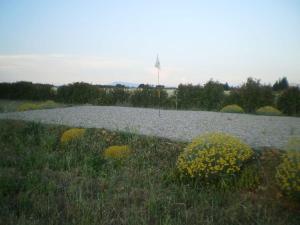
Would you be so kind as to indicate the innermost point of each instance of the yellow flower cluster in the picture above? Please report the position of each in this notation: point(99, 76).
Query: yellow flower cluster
point(268, 111)
point(117, 151)
point(232, 109)
point(288, 174)
point(72, 134)
point(213, 155)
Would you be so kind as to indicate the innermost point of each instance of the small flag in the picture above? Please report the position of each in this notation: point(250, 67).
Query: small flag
point(157, 64)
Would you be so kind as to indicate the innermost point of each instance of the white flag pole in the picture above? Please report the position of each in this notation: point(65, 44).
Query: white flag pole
point(158, 92)
point(157, 65)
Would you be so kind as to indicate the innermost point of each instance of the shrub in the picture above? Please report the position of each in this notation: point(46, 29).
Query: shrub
point(288, 174)
point(117, 151)
point(232, 109)
point(213, 156)
point(28, 106)
point(72, 134)
point(268, 111)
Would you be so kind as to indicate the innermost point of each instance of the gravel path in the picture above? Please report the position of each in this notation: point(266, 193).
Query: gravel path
point(258, 131)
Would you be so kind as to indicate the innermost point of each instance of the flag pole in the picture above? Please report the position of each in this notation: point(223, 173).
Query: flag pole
point(158, 92)
point(157, 65)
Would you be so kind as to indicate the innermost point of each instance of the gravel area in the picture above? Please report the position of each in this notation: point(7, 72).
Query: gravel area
point(258, 131)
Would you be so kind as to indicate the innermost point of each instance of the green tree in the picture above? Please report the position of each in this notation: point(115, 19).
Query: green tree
point(289, 101)
point(188, 96)
point(212, 95)
point(281, 84)
point(255, 95)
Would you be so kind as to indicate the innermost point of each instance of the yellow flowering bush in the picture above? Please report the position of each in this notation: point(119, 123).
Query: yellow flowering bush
point(268, 111)
point(213, 155)
point(72, 134)
point(288, 174)
point(232, 109)
point(117, 151)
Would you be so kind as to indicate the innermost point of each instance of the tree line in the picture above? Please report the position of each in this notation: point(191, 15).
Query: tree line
point(211, 96)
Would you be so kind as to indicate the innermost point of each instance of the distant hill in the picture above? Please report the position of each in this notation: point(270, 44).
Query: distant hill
point(133, 85)
point(127, 84)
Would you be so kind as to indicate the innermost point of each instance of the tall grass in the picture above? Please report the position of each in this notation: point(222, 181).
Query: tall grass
point(45, 182)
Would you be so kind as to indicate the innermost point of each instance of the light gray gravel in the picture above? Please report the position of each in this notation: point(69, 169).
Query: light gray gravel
point(258, 131)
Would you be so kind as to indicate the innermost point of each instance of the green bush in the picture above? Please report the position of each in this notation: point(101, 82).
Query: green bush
point(268, 111)
point(232, 109)
point(213, 156)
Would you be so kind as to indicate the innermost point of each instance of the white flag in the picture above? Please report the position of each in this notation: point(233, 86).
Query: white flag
point(157, 64)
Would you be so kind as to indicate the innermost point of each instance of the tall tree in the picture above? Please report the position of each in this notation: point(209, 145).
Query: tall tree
point(281, 84)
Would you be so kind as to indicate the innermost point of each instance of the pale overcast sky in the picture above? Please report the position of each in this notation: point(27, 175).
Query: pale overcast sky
point(56, 41)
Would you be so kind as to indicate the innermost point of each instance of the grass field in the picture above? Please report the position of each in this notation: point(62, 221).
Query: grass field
point(43, 181)
point(22, 105)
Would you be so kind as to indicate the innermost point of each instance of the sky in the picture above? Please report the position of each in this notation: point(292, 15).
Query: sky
point(99, 42)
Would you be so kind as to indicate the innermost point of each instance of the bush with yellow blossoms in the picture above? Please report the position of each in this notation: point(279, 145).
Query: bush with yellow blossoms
point(117, 152)
point(288, 172)
point(268, 111)
point(72, 134)
point(213, 156)
point(232, 109)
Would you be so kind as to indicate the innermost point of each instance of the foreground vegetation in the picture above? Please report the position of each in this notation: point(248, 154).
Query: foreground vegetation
point(50, 176)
